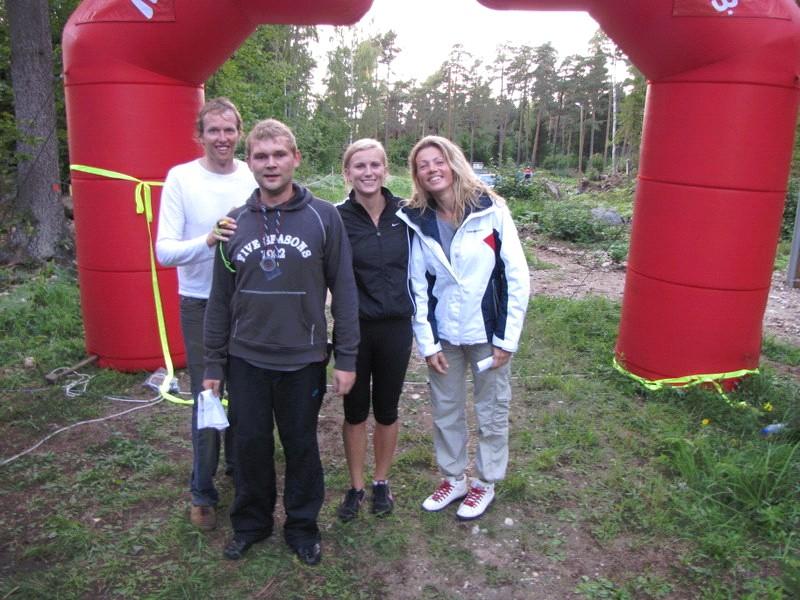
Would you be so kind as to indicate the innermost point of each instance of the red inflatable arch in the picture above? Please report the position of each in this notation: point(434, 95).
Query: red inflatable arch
point(133, 75)
point(719, 122)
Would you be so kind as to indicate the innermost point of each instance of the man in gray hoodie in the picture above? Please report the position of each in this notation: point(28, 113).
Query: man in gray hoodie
point(266, 333)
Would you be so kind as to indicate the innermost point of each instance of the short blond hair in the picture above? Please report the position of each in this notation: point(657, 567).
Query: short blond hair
point(218, 105)
point(358, 146)
point(269, 129)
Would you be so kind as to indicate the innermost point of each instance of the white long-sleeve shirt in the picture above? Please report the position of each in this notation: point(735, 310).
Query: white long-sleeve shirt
point(192, 201)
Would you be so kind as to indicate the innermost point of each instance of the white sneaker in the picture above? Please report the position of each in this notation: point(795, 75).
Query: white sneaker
point(478, 499)
point(450, 489)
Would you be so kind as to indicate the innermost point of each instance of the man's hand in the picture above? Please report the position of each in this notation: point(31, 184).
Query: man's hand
point(438, 363)
point(343, 381)
point(222, 231)
point(212, 384)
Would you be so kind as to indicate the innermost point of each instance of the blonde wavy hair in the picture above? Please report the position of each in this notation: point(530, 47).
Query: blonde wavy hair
point(467, 188)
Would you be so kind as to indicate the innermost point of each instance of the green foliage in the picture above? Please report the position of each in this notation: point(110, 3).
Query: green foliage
point(572, 221)
point(561, 164)
point(41, 317)
point(790, 209)
point(601, 588)
point(8, 128)
point(270, 75)
point(511, 186)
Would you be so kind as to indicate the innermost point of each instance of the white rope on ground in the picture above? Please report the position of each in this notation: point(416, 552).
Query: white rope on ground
point(6, 461)
point(76, 387)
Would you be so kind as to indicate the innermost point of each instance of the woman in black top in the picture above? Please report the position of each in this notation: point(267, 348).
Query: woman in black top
point(380, 243)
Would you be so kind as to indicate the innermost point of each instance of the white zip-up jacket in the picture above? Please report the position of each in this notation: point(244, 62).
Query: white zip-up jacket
point(481, 294)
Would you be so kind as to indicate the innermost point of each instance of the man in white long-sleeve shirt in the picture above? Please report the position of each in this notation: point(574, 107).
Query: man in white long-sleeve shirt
point(196, 197)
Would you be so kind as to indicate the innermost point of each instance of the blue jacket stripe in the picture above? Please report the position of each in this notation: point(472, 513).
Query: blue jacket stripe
point(432, 302)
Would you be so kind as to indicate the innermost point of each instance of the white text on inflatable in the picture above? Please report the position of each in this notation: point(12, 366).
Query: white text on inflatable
point(144, 8)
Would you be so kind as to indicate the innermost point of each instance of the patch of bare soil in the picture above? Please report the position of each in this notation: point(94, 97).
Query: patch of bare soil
point(579, 273)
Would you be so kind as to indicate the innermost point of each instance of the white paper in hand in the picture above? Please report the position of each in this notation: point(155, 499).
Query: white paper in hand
point(484, 364)
point(210, 412)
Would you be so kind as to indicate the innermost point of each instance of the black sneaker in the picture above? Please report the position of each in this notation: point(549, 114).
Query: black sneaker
point(348, 509)
point(382, 500)
point(310, 554)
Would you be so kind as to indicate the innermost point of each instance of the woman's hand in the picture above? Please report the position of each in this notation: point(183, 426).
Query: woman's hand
point(501, 357)
point(221, 232)
point(437, 362)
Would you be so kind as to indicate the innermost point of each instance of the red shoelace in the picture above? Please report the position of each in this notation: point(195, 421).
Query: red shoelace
point(443, 491)
point(474, 496)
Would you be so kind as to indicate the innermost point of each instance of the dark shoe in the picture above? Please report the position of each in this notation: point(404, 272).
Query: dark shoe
point(238, 546)
point(203, 517)
point(382, 499)
point(310, 555)
point(348, 509)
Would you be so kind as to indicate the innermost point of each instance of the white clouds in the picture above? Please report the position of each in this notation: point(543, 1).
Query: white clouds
point(427, 30)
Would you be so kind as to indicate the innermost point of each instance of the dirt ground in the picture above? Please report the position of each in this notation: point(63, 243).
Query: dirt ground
point(580, 273)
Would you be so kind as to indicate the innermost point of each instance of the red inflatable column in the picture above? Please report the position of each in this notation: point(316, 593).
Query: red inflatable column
point(112, 242)
point(719, 122)
point(707, 218)
point(133, 72)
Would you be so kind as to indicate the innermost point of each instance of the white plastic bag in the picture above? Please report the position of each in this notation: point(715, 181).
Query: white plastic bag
point(210, 412)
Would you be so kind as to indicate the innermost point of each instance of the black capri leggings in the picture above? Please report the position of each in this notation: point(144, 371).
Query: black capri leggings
point(382, 359)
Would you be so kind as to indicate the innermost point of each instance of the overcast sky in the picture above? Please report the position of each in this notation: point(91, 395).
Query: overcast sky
point(427, 29)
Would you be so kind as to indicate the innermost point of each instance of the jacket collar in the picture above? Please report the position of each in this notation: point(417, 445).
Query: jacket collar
point(425, 219)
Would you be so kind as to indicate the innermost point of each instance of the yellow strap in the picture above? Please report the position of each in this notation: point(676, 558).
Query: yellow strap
point(690, 380)
point(143, 198)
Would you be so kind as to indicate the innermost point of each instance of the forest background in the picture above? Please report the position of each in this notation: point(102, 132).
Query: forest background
point(528, 107)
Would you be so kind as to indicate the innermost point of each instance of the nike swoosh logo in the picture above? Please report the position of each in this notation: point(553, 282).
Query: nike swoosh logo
point(395, 224)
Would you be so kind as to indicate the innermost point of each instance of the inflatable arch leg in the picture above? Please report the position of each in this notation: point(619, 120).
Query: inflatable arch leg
point(719, 123)
point(133, 76)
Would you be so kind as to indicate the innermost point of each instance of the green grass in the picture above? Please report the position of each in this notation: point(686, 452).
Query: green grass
point(779, 351)
point(602, 473)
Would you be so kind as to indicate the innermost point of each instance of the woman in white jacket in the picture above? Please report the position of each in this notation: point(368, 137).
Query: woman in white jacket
point(471, 287)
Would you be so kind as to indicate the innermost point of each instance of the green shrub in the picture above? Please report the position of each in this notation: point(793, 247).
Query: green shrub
point(618, 251)
point(790, 209)
point(512, 188)
point(572, 221)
